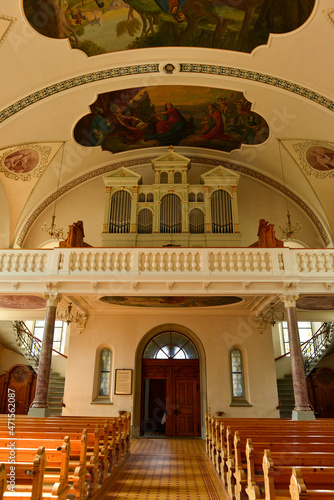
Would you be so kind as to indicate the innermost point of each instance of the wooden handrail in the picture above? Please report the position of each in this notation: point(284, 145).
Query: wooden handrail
point(317, 334)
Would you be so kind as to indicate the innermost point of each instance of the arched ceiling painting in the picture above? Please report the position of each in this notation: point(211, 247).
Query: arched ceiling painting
point(179, 115)
point(98, 27)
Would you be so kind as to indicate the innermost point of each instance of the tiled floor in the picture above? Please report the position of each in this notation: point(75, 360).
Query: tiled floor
point(165, 469)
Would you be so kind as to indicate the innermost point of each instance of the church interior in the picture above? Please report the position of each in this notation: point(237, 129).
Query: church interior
point(166, 238)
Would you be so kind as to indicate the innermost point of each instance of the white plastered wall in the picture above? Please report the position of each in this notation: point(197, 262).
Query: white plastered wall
point(218, 334)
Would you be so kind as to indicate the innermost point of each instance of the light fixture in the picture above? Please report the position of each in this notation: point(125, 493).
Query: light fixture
point(54, 232)
point(288, 232)
point(68, 317)
point(269, 317)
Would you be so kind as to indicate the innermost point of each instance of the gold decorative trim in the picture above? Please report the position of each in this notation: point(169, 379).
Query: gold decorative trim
point(9, 28)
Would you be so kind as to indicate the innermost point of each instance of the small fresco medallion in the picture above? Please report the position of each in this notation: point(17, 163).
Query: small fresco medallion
point(320, 158)
point(170, 301)
point(175, 115)
point(22, 302)
point(21, 161)
point(27, 161)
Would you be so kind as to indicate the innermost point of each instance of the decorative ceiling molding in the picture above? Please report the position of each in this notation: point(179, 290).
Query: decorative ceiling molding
point(5, 26)
point(154, 68)
point(241, 169)
point(211, 69)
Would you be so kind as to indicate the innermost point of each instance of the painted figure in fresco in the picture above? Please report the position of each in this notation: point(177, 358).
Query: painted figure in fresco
point(171, 128)
point(214, 125)
point(321, 158)
point(132, 129)
point(252, 128)
point(99, 127)
point(173, 7)
point(22, 161)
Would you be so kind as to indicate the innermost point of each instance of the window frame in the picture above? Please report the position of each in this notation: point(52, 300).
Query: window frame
point(238, 400)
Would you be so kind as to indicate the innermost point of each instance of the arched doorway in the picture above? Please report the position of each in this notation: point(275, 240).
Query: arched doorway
point(170, 393)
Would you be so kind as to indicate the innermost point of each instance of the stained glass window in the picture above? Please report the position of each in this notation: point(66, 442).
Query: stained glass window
point(105, 367)
point(170, 345)
point(237, 375)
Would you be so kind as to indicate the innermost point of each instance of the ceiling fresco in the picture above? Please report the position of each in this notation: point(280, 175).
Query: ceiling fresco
point(22, 302)
point(171, 115)
point(97, 27)
point(170, 301)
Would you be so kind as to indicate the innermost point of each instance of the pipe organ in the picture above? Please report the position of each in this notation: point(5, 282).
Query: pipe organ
point(171, 212)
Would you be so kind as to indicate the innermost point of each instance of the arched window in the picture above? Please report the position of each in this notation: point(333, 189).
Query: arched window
point(120, 212)
point(149, 197)
point(170, 345)
point(141, 197)
point(163, 178)
point(105, 370)
point(191, 197)
point(200, 197)
point(221, 212)
point(145, 221)
point(177, 178)
point(170, 214)
point(237, 374)
point(196, 221)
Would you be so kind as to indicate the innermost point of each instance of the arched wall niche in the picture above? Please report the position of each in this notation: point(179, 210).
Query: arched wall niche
point(138, 371)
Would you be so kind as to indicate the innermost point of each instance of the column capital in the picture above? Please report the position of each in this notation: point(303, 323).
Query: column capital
point(289, 299)
point(52, 299)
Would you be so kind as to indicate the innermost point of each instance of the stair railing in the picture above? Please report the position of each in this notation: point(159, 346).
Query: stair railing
point(313, 348)
point(31, 343)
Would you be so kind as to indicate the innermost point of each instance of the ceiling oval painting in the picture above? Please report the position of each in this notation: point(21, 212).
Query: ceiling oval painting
point(165, 302)
point(97, 27)
point(171, 115)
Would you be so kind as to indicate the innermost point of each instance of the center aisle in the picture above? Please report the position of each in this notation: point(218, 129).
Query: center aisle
point(165, 469)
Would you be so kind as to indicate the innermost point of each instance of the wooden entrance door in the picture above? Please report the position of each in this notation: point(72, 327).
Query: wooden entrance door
point(182, 397)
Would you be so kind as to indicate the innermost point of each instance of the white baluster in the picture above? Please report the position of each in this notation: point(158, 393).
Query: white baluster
point(225, 261)
point(311, 263)
point(1, 261)
point(186, 261)
point(109, 262)
point(79, 257)
point(32, 262)
point(328, 266)
point(320, 262)
point(170, 262)
point(263, 262)
point(125, 261)
point(100, 264)
point(248, 258)
point(16, 263)
point(193, 262)
point(116, 262)
point(40, 263)
point(23, 263)
point(178, 261)
point(154, 262)
point(239, 262)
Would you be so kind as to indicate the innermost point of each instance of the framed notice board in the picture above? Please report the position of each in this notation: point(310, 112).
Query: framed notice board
point(123, 382)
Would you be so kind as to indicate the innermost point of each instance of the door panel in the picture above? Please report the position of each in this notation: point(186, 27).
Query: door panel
point(182, 396)
point(187, 408)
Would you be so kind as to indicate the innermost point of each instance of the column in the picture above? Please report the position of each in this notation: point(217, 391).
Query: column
point(106, 220)
point(302, 409)
point(39, 407)
point(207, 205)
point(134, 210)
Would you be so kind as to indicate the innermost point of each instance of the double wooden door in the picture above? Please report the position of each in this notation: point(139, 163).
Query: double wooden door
point(171, 387)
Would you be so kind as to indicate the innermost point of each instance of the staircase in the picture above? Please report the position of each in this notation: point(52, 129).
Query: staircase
point(56, 393)
point(286, 396)
point(313, 351)
point(30, 348)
